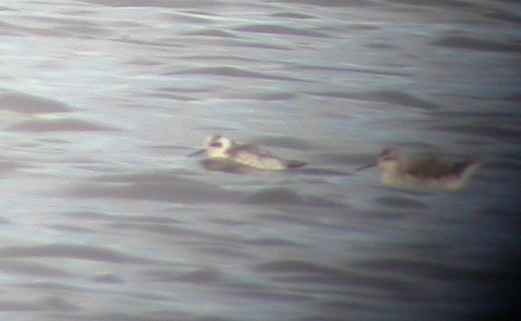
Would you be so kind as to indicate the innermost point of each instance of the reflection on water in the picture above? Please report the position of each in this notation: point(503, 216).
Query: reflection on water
point(105, 218)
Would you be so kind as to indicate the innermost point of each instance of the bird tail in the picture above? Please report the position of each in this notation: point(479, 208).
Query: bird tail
point(295, 164)
point(470, 167)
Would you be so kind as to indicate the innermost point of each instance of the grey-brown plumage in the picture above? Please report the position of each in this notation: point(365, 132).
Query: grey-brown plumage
point(398, 170)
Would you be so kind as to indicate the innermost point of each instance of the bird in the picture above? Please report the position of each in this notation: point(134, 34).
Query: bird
point(222, 148)
point(399, 170)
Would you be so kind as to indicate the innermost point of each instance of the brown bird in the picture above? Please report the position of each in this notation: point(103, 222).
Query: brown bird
point(398, 170)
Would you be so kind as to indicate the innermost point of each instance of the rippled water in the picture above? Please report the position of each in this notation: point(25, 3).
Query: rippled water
point(105, 218)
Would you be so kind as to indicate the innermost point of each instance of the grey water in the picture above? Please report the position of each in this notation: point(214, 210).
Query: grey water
point(104, 217)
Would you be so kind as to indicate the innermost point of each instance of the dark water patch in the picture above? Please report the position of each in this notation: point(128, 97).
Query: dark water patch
point(189, 90)
point(174, 97)
point(96, 216)
point(252, 44)
point(334, 3)
point(165, 43)
point(386, 215)
point(357, 27)
point(59, 141)
point(455, 4)
point(384, 96)
point(227, 222)
point(403, 99)
point(398, 202)
point(155, 187)
point(496, 116)
point(108, 278)
point(301, 272)
point(205, 276)
point(271, 96)
point(31, 269)
point(10, 305)
point(292, 15)
point(268, 295)
point(8, 167)
point(80, 252)
point(296, 267)
point(280, 30)
point(71, 228)
point(277, 242)
point(28, 104)
point(470, 43)
point(188, 4)
point(315, 171)
point(223, 245)
point(504, 16)
point(507, 213)
point(211, 33)
point(341, 306)
point(351, 69)
point(166, 314)
point(96, 290)
point(285, 196)
point(226, 251)
point(343, 284)
point(79, 12)
point(263, 96)
point(503, 165)
point(413, 190)
point(143, 62)
point(381, 46)
point(430, 270)
point(228, 58)
point(514, 155)
point(336, 115)
point(497, 132)
point(346, 159)
point(516, 98)
point(227, 71)
point(292, 220)
point(413, 147)
point(340, 316)
point(210, 14)
point(167, 230)
point(51, 303)
point(55, 303)
point(202, 276)
point(53, 125)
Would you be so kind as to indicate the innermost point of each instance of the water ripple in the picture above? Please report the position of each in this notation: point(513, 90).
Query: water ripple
point(81, 252)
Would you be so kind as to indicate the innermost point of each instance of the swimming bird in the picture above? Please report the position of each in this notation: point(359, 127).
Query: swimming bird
point(222, 148)
point(398, 170)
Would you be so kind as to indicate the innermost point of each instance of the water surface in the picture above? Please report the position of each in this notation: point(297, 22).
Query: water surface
point(105, 218)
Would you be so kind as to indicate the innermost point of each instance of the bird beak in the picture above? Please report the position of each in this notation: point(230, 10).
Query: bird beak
point(197, 152)
point(365, 167)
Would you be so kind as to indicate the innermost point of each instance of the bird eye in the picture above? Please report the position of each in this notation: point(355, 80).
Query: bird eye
point(216, 144)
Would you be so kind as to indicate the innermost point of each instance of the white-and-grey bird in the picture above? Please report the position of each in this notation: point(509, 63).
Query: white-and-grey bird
point(222, 148)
